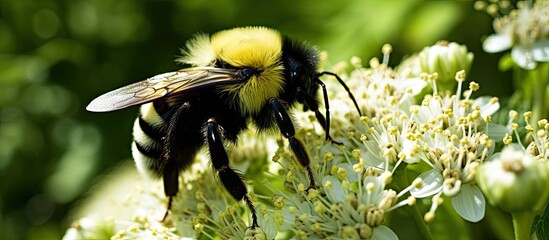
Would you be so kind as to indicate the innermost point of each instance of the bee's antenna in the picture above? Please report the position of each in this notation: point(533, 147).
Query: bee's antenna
point(344, 86)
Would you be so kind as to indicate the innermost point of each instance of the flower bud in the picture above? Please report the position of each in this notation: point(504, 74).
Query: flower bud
point(514, 181)
point(255, 233)
point(446, 59)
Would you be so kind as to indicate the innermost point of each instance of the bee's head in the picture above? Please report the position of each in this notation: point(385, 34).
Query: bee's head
point(300, 61)
point(302, 76)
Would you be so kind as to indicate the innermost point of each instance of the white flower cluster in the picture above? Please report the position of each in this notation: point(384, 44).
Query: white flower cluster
point(350, 202)
point(449, 136)
point(441, 139)
point(202, 209)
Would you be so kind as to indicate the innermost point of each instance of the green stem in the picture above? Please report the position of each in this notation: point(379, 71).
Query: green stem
point(499, 222)
point(420, 223)
point(400, 179)
point(522, 222)
point(539, 78)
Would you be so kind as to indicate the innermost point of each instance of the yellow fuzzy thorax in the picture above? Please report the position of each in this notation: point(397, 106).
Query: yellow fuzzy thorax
point(259, 48)
point(256, 47)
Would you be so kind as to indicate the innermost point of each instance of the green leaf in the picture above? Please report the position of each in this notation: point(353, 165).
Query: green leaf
point(541, 224)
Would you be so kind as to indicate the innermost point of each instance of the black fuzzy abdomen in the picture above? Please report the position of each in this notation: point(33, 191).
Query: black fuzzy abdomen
point(171, 136)
point(148, 132)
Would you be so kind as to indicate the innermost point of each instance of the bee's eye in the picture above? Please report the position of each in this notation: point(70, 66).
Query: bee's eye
point(296, 73)
point(246, 73)
point(300, 76)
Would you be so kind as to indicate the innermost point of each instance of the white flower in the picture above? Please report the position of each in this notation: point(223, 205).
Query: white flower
point(200, 209)
point(348, 210)
point(452, 134)
point(524, 29)
point(110, 228)
point(351, 200)
point(539, 147)
point(452, 131)
point(378, 90)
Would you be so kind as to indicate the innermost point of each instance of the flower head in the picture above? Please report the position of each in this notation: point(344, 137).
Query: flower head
point(200, 210)
point(515, 181)
point(452, 134)
point(110, 228)
point(524, 29)
point(445, 59)
point(351, 202)
point(456, 137)
point(448, 133)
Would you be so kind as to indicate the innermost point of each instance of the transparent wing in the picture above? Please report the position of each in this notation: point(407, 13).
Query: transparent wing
point(162, 85)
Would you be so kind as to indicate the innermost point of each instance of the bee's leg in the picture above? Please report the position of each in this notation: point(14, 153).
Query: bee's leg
point(342, 84)
point(311, 103)
point(288, 131)
point(171, 186)
point(220, 161)
point(178, 152)
point(149, 153)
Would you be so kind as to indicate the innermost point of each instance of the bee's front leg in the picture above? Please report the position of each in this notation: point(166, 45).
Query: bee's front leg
point(288, 131)
point(312, 105)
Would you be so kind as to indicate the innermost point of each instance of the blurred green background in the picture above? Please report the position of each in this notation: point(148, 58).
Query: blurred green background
point(55, 56)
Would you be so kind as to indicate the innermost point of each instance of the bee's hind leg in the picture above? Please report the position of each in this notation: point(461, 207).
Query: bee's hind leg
point(171, 187)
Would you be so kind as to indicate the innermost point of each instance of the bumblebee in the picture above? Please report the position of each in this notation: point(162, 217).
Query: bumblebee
point(236, 77)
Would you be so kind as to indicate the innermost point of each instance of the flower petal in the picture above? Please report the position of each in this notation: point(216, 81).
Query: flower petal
point(409, 149)
point(268, 226)
point(523, 57)
point(497, 43)
point(416, 85)
point(487, 106)
point(470, 203)
point(383, 232)
point(540, 51)
point(352, 176)
point(497, 131)
point(335, 192)
point(432, 184)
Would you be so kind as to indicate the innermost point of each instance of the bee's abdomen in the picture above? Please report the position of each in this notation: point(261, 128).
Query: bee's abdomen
point(148, 131)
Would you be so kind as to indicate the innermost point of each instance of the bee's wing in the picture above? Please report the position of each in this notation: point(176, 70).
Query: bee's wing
point(162, 85)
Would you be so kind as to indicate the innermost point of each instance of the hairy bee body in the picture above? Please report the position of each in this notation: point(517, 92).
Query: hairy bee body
point(238, 76)
point(152, 123)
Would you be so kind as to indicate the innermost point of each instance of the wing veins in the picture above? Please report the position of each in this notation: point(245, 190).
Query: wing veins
point(162, 85)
